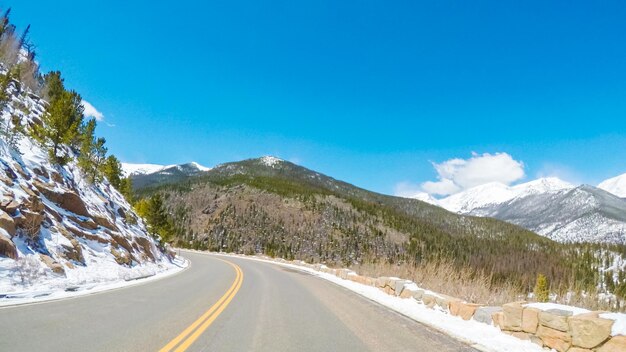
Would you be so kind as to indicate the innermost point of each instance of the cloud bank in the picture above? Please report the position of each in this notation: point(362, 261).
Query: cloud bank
point(456, 175)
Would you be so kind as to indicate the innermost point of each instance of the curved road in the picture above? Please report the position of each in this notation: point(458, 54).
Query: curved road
point(219, 304)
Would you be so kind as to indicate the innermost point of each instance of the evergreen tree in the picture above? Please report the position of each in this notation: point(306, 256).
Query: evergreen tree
point(159, 222)
point(112, 170)
point(126, 189)
point(61, 125)
point(92, 156)
point(542, 291)
point(53, 85)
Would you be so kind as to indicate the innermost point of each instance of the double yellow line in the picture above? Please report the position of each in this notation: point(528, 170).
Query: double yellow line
point(191, 333)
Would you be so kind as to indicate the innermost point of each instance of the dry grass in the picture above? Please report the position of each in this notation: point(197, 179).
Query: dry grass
point(444, 277)
point(477, 287)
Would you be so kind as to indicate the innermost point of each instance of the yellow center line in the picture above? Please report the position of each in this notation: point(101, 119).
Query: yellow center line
point(202, 323)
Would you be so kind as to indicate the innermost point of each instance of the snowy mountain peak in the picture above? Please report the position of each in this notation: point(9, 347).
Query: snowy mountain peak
point(615, 185)
point(147, 169)
point(497, 193)
point(199, 167)
point(542, 185)
point(140, 169)
point(271, 161)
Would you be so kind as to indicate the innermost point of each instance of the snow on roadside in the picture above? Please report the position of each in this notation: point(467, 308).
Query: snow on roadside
point(548, 306)
point(80, 282)
point(480, 336)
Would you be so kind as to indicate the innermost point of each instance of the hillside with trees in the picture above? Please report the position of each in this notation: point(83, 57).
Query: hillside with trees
point(281, 209)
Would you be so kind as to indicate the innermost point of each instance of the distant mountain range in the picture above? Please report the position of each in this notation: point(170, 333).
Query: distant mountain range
point(550, 207)
point(268, 205)
point(147, 175)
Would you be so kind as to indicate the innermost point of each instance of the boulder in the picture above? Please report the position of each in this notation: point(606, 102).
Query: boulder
point(466, 310)
point(418, 294)
point(68, 200)
point(20, 170)
point(381, 281)
point(398, 286)
point(588, 330)
point(7, 223)
point(615, 344)
point(7, 181)
point(559, 340)
point(41, 172)
point(530, 319)
point(443, 301)
point(28, 190)
point(512, 316)
point(9, 205)
point(73, 252)
point(30, 221)
point(407, 293)
point(56, 177)
point(484, 314)
point(146, 245)
point(52, 264)
point(429, 299)
point(86, 223)
point(555, 319)
point(7, 248)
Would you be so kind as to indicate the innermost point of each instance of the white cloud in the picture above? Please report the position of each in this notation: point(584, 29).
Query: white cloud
point(455, 175)
point(91, 111)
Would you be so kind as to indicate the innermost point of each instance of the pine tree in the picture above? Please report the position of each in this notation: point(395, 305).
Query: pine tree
point(92, 156)
point(112, 170)
point(53, 85)
point(542, 291)
point(126, 189)
point(158, 219)
point(61, 125)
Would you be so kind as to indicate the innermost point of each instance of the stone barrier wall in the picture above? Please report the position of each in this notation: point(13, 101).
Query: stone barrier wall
point(557, 329)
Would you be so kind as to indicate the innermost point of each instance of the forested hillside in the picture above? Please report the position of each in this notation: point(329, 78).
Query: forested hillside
point(278, 208)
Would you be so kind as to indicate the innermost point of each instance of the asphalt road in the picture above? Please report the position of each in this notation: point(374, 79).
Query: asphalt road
point(219, 306)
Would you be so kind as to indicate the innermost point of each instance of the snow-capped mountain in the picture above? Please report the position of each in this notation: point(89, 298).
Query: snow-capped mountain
point(615, 185)
point(144, 175)
point(130, 169)
point(548, 206)
point(494, 193)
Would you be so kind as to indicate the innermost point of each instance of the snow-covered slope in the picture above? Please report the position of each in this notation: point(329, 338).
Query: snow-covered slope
point(140, 169)
point(491, 194)
point(130, 169)
point(615, 185)
point(548, 206)
point(58, 231)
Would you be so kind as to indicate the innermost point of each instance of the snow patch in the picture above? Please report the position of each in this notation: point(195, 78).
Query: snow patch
point(271, 161)
point(615, 185)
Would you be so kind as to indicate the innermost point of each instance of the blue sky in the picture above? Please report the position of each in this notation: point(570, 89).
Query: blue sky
point(370, 92)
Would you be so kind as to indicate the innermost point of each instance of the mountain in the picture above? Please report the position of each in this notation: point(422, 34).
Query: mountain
point(615, 185)
point(147, 175)
point(582, 214)
point(476, 198)
point(268, 205)
point(549, 207)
